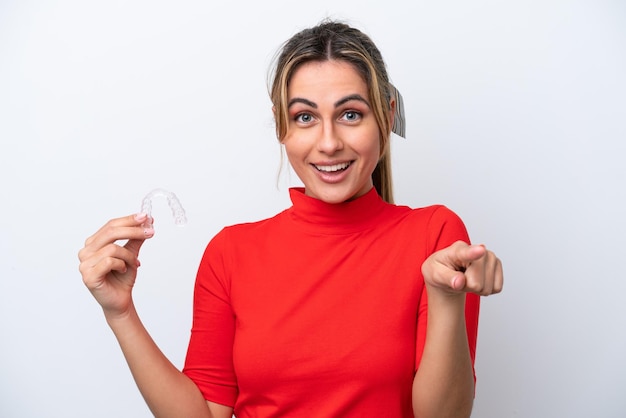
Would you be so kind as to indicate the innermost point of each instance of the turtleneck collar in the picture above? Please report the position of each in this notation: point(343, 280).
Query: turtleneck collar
point(318, 216)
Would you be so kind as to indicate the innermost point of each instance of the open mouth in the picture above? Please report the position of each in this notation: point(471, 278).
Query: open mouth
point(333, 168)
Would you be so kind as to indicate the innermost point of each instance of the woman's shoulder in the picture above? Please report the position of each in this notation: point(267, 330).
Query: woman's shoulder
point(260, 226)
point(431, 220)
point(429, 214)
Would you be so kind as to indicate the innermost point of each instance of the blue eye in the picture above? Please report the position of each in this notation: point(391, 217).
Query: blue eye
point(351, 116)
point(304, 118)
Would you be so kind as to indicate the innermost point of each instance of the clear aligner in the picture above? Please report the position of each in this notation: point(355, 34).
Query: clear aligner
point(177, 209)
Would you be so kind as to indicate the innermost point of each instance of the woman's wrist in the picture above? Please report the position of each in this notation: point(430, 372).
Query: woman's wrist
point(118, 318)
point(448, 308)
point(438, 294)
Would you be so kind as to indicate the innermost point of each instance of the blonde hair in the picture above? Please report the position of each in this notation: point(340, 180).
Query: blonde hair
point(327, 41)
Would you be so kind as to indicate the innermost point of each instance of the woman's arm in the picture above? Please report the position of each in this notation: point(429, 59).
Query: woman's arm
point(444, 383)
point(109, 271)
point(166, 390)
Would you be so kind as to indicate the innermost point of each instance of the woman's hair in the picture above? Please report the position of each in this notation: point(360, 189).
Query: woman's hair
point(327, 41)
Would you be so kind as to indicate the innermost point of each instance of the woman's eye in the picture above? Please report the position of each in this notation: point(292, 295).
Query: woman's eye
point(304, 118)
point(351, 116)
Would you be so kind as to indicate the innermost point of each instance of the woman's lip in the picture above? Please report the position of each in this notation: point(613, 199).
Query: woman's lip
point(332, 176)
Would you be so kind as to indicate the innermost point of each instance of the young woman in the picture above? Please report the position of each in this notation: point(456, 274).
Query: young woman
point(343, 305)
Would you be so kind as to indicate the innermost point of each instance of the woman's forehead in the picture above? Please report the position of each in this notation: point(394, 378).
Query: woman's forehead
point(326, 78)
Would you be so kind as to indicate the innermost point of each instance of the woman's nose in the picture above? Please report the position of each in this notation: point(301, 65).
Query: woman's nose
point(329, 140)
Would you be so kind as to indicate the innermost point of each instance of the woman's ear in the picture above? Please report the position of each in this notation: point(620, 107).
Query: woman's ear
point(281, 141)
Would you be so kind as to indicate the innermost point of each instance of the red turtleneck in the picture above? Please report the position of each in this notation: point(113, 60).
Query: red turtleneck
point(320, 310)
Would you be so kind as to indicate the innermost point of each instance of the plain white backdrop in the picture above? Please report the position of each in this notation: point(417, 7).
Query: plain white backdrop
point(516, 117)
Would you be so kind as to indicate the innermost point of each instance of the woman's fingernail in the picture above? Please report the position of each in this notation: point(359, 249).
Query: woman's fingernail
point(148, 232)
point(139, 217)
point(456, 285)
point(137, 262)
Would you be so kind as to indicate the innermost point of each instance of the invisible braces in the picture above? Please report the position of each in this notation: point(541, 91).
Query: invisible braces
point(177, 209)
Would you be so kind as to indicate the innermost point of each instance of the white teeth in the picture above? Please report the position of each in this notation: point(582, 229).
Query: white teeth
point(332, 168)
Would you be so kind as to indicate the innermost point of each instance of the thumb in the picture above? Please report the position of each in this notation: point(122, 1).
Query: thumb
point(134, 245)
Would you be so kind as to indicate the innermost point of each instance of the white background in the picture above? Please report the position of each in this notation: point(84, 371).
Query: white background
point(516, 120)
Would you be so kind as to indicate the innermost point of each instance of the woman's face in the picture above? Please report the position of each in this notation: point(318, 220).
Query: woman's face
point(332, 140)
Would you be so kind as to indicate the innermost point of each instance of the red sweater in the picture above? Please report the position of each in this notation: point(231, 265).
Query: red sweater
point(319, 311)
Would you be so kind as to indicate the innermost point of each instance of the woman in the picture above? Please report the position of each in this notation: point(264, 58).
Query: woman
point(343, 305)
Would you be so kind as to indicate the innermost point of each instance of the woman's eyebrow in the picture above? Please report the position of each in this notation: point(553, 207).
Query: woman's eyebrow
point(301, 100)
point(351, 97)
point(338, 103)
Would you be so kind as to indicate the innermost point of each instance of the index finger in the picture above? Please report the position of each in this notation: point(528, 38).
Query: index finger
point(127, 227)
point(464, 254)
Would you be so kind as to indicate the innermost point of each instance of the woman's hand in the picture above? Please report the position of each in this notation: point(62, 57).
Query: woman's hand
point(462, 268)
point(109, 269)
